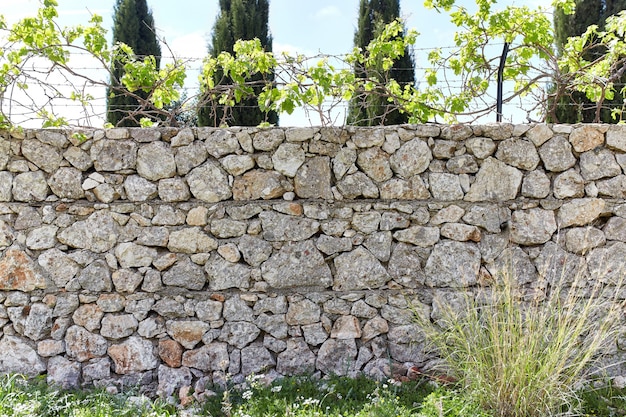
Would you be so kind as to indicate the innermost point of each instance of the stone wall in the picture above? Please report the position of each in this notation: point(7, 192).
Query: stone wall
point(174, 258)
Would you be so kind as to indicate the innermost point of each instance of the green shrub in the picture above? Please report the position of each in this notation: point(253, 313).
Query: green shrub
point(525, 356)
point(447, 403)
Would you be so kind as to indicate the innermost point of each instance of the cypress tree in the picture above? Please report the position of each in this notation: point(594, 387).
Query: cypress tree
point(576, 107)
point(245, 20)
point(371, 110)
point(133, 25)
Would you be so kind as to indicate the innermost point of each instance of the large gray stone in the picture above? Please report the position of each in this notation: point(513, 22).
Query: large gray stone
point(495, 181)
point(156, 161)
point(256, 359)
point(211, 357)
point(418, 235)
point(581, 240)
point(375, 163)
point(453, 264)
point(519, 153)
point(239, 333)
point(297, 264)
point(356, 185)
point(220, 142)
point(16, 356)
point(44, 156)
point(132, 356)
point(532, 227)
point(297, 359)
point(139, 189)
point(98, 233)
point(557, 155)
point(118, 326)
point(30, 186)
point(83, 345)
point(336, 356)
point(313, 179)
point(608, 264)
point(223, 274)
point(185, 274)
point(66, 182)
point(59, 267)
point(411, 159)
point(171, 379)
point(254, 250)
point(282, 227)
point(63, 373)
point(359, 270)
point(445, 186)
point(288, 158)
point(114, 155)
point(598, 164)
point(209, 182)
point(580, 212)
point(96, 277)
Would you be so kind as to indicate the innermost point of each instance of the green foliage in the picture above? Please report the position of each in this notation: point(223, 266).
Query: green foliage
point(524, 355)
point(238, 20)
point(133, 25)
point(445, 403)
point(578, 106)
point(370, 109)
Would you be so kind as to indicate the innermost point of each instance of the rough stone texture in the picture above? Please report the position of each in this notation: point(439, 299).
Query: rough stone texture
point(495, 181)
point(168, 258)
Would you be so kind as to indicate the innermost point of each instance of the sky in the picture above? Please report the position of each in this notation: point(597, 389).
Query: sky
point(302, 26)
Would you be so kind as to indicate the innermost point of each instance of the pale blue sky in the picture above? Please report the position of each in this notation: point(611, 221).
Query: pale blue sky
point(303, 26)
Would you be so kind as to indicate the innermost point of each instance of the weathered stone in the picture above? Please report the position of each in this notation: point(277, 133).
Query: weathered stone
point(461, 232)
point(189, 157)
point(171, 379)
point(96, 277)
point(38, 323)
point(375, 163)
point(96, 370)
point(532, 227)
point(173, 189)
point(358, 270)
point(185, 274)
point(237, 164)
point(519, 153)
point(288, 158)
point(396, 188)
point(171, 352)
point(411, 159)
point(357, 184)
point(6, 183)
point(239, 333)
point(445, 187)
point(331, 245)
point(5, 150)
point(139, 189)
point(346, 327)
point(66, 182)
point(336, 356)
point(490, 218)
point(579, 212)
point(223, 274)
point(297, 359)
point(183, 137)
point(88, 316)
point(30, 186)
point(585, 138)
point(187, 333)
point(343, 162)
point(539, 134)
point(44, 156)
point(18, 272)
point(481, 148)
point(295, 265)
point(456, 132)
point(302, 313)
point(615, 229)
point(49, 348)
point(280, 227)
point(118, 326)
point(256, 359)
point(513, 265)
point(598, 164)
point(211, 357)
point(65, 306)
point(268, 139)
point(220, 142)
point(258, 183)
point(581, 240)
point(314, 334)
point(114, 155)
point(373, 328)
point(133, 355)
point(131, 255)
point(225, 228)
point(444, 149)
point(559, 267)
point(209, 183)
point(418, 235)
point(156, 161)
point(98, 233)
point(453, 264)
point(495, 181)
point(83, 345)
point(191, 240)
point(313, 179)
point(404, 266)
point(463, 164)
point(607, 264)
point(569, 184)
point(367, 138)
point(616, 138)
point(18, 357)
point(613, 187)
point(41, 238)
point(255, 251)
point(379, 244)
point(556, 154)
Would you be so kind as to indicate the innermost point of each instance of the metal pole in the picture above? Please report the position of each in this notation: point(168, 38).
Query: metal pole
point(505, 51)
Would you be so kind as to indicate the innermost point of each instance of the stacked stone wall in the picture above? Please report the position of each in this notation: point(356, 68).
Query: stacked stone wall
point(173, 258)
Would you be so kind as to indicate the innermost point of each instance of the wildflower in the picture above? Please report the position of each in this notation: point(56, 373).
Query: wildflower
point(277, 388)
point(247, 395)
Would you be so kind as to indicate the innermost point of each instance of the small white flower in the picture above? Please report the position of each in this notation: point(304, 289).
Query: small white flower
point(277, 388)
point(247, 395)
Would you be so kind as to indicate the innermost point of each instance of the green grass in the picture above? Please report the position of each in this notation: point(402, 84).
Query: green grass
point(295, 397)
point(520, 356)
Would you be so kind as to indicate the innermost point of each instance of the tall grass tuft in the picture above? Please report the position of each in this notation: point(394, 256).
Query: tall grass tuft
point(526, 356)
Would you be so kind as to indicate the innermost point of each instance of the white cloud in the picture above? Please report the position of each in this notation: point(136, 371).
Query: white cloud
point(328, 12)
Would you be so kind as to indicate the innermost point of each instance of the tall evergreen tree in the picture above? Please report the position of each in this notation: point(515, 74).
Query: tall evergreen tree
point(576, 108)
point(371, 110)
point(245, 20)
point(133, 25)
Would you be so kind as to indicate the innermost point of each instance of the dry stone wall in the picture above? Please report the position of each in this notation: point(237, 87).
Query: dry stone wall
point(175, 258)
